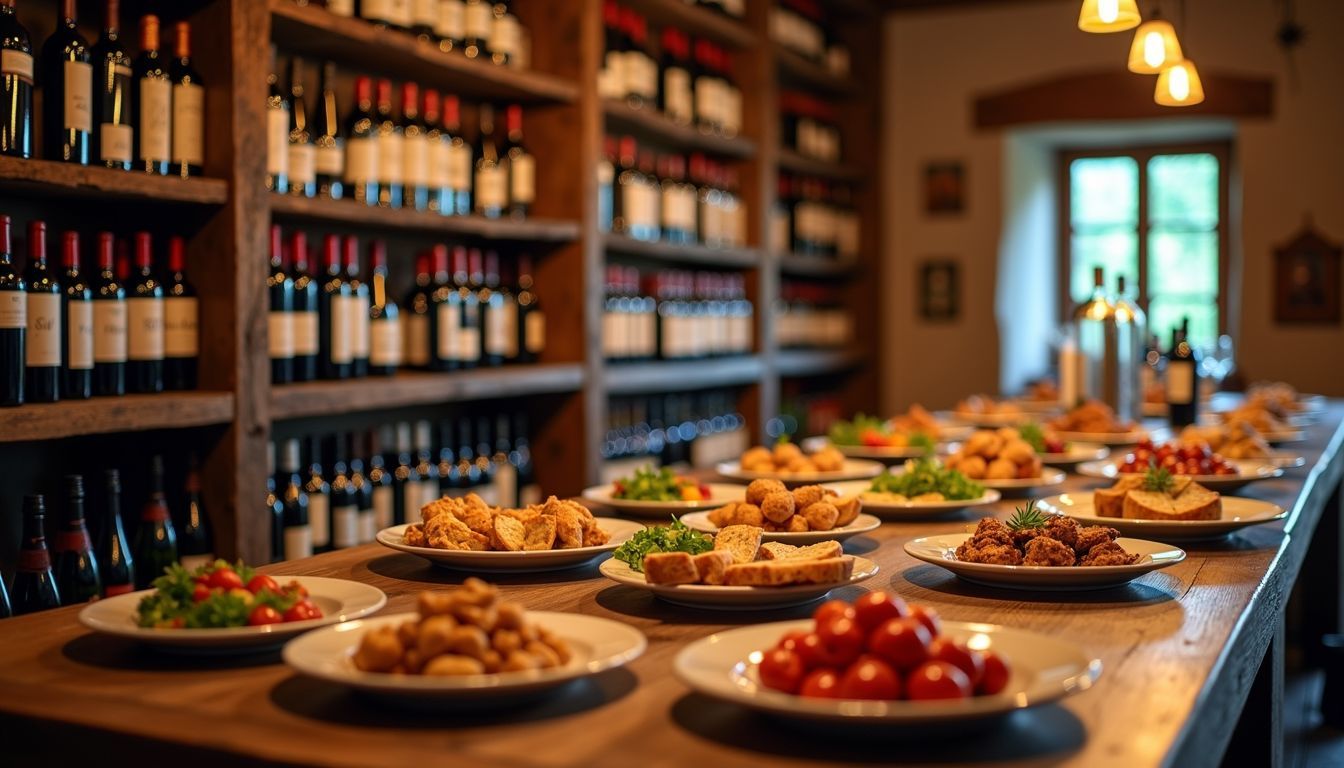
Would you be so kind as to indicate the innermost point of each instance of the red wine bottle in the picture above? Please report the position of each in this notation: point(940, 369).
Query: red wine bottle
point(277, 130)
point(113, 138)
point(385, 344)
point(109, 324)
point(333, 313)
point(305, 310)
point(302, 153)
point(13, 323)
point(492, 179)
point(275, 508)
point(414, 150)
point(181, 323)
point(34, 584)
point(1182, 372)
point(390, 149)
point(363, 491)
point(319, 499)
point(470, 345)
point(188, 107)
point(116, 564)
point(425, 466)
point(16, 85)
point(329, 159)
point(194, 542)
point(153, 100)
point(419, 315)
point(476, 23)
point(437, 151)
point(358, 310)
point(531, 317)
point(459, 159)
point(67, 90)
point(298, 528)
point(522, 166)
point(156, 538)
point(405, 480)
point(499, 316)
point(443, 328)
point(344, 501)
point(43, 352)
point(77, 317)
point(144, 328)
point(361, 146)
point(380, 483)
point(76, 565)
point(280, 313)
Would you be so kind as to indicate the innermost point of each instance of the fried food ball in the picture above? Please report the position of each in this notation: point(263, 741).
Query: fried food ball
point(1023, 535)
point(492, 661)
point(785, 453)
point(1018, 451)
point(973, 467)
point(1008, 434)
point(468, 641)
point(477, 616)
point(544, 654)
point(988, 550)
point(1092, 535)
point(506, 641)
point(777, 506)
point(434, 636)
point(722, 515)
point(435, 603)
point(1108, 553)
point(409, 633)
point(509, 616)
point(748, 514)
point(379, 650)
point(796, 524)
point(520, 661)
point(759, 489)
point(560, 647)
point(828, 459)
point(821, 516)
point(1032, 468)
point(1046, 551)
point(800, 465)
point(449, 665)
point(810, 494)
point(757, 455)
point(1001, 469)
point(415, 536)
point(992, 528)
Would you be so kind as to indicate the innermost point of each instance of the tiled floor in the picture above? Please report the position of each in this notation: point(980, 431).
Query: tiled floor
point(1310, 744)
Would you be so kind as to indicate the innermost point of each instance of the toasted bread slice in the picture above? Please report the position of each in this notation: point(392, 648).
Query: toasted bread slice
point(779, 573)
point(507, 534)
point(539, 533)
point(775, 550)
point(822, 550)
point(1110, 502)
point(709, 566)
point(742, 541)
point(1195, 502)
point(670, 568)
point(849, 507)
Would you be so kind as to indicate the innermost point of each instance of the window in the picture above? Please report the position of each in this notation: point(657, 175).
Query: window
point(1157, 216)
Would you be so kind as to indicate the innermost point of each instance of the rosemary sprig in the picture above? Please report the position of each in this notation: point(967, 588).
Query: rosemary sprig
point(1156, 478)
point(1027, 517)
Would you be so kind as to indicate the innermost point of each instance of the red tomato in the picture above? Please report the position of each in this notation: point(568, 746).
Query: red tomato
point(843, 639)
point(302, 611)
point(263, 614)
point(262, 581)
point(996, 675)
point(224, 578)
point(812, 652)
point(963, 658)
point(782, 670)
point(903, 643)
point(821, 684)
point(870, 678)
point(832, 608)
point(199, 593)
point(928, 617)
point(295, 588)
point(937, 680)
point(790, 640)
point(873, 608)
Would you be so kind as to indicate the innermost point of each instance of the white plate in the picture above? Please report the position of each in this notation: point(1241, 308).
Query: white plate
point(1285, 459)
point(513, 562)
point(941, 551)
point(1132, 437)
point(1078, 452)
point(720, 494)
point(338, 599)
point(1044, 669)
point(861, 524)
point(989, 420)
point(912, 510)
point(814, 444)
point(1238, 513)
point(853, 469)
point(598, 645)
point(1249, 471)
point(735, 598)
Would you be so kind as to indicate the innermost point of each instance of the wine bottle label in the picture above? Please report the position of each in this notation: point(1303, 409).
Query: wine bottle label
point(181, 327)
point(678, 102)
point(338, 330)
point(610, 342)
point(390, 157)
point(505, 485)
point(302, 164)
point(319, 517)
point(109, 331)
point(417, 340)
point(440, 156)
point(429, 491)
point(33, 561)
point(192, 562)
point(450, 333)
point(505, 35)
point(361, 160)
point(79, 335)
point(280, 334)
point(476, 21)
point(115, 141)
point(298, 542)
point(411, 501)
point(731, 110)
point(341, 7)
point(451, 19)
point(359, 327)
point(344, 526)
point(329, 160)
point(641, 74)
point(385, 343)
point(13, 309)
point(401, 12)
point(492, 187)
point(277, 142)
point(145, 329)
point(522, 179)
point(43, 346)
point(156, 109)
point(501, 329)
point(706, 99)
point(1180, 383)
point(425, 13)
point(459, 167)
point(78, 81)
point(368, 527)
point(18, 64)
point(73, 541)
point(611, 79)
point(669, 200)
point(377, 10)
point(415, 161)
point(534, 330)
point(305, 333)
point(469, 343)
point(382, 507)
point(188, 124)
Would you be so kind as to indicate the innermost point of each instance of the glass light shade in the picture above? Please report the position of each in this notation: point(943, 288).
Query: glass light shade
point(1179, 86)
point(1108, 15)
point(1155, 47)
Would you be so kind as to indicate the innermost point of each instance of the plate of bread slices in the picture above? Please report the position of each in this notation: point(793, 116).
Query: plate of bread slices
point(804, 515)
point(743, 572)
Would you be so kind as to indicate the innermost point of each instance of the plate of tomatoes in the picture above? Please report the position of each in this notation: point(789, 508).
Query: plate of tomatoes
point(228, 608)
point(881, 661)
point(1196, 461)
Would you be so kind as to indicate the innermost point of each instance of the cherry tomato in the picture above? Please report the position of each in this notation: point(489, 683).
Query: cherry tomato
point(810, 649)
point(843, 639)
point(263, 614)
point(790, 640)
point(870, 678)
point(782, 670)
point(874, 608)
point(199, 593)
point(928, 617)
point(904, 643)
point(295, 588)
point(996, 675)
point(224, 578)
point(302, 611)
point(937, 680)
point(821, 684)
point(262, 581)
point(963, 658)
point(832, 608)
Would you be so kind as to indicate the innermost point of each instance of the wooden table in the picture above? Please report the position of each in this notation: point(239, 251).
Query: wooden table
point(1182, 650)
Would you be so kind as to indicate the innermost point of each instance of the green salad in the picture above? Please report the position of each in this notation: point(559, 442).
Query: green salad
point(928, 476)
point(872, 432)
point(676, 537)
point(221, 595)
point(651, 484)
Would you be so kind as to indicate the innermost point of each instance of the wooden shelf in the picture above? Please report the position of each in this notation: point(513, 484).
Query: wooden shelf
point(312, 30)
point(798, 69)
point(330, 398)
point(816, 362)
point(622, 117)
point(745, 258)
point(48, 178)
point(815, 266)
point(129, 413)
point(349, 212)
point(696, 21)
point(862, 8)
point(667, 376)
point(792, 161)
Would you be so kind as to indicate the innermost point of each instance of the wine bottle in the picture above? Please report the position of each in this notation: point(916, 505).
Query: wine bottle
point(449, 27)
point(380, 482)
point(344, 502)
point(381, 12)
point(628, 186)
point(505, 34)
point(485, 468)
point(405, 480)
point(425, 467)
point(144, 334)
point(529, 492)
point(43, 352)
point(77, 318)
point(640, 69)
point(468, 473)
point(357, 310)
point(67, 90)
point(476, 22)
point(459, 160)
point(467, 282)
point(275, 507)
point(390, 149)
point(113, 138)
point(415, 150)
point(156, 538)
point(342, 8)
point(194, 543)
point(116, 565)
point(443, 330)
point(76, 565)
point(675, 97)
point(383, 318)
point(305, 317)
point(302, 154)
point(611, 77)
point(13, 323)
point(280, 315)
point(531, 317)
point(419, 313)
point(447, 460)
point(1182, 381)
point(181, 322)
point(522, 166)
point(361, 146)
point(504, 472)
point(329, 158)
point(492, 177)
point(277, 130)
point(499, 316)
point(437, 148)
point(319, 499)
point(154, 102)
point(16, 85)
point(188, 107)
point(34, 584)
point(424, 15)
point(363, 491)
point(298, 526)
point(109, 324)
point(333, 313)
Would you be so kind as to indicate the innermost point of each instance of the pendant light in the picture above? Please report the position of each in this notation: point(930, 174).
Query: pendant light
point(1154, 48)
point(1178, 85)
point(1108, 15)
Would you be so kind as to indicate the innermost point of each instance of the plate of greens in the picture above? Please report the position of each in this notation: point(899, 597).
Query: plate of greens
point(923, 489)
point(650, 492)
point(676, 537)
point(868, 437)
point(1056, 452)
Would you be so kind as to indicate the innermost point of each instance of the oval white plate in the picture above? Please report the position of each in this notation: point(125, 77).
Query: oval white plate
point(598, 645)
point(854, 469)
point(941, 551)
point(735, 598)
point(1049, 478)
point(1044, 669)
point(513, 562)
point(338, 599)
point(1249, 472)
point(1285, 459)
point(861, 524)
point(814, 444)
point(1078, 452)
point(1238, 513)
point(720, 494)
point(912, 510)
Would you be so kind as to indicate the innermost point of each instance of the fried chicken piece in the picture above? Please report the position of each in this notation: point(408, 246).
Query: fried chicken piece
point(1108, 553)
point(477, 515)
point(990, 550)
point(1022, 536)
point(1063, 529)
point(415, 536)
point(1048, 552)
point(445, 531)
point(1092, 535)
point(433, 509)
point(995, 529)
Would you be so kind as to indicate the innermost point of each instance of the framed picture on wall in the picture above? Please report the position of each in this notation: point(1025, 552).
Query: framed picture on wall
point(944, 188)
point(940, 290)
point(1307, 280)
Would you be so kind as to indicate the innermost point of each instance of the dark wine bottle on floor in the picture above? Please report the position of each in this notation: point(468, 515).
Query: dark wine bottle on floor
point(298, 527)
point(34, 584)
point(77, 317)
point(67, 91)
point(16, 85)
point(305, 310)
point(144, 325)
point(153, 102)
point(280, 316)
point(76, 565)
point(43, 345)
point(13, 323)
point(113, 138)
point(188, 107)
point(194, 543)
point(181, 322)
point(156, 538)
point(109, 324)
point(116, 564)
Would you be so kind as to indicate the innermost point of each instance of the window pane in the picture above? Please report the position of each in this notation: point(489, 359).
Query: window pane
point(1165, 312)
point(1116, 252)
point(1182, 262)
point(1104, 190)
point(1183, 191)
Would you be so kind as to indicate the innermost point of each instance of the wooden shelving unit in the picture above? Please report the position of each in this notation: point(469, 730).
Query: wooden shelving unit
point(793, 67)
point(129, 413)
point(817, 362)
point(792, 161)
point(662, 376)
point(744, 258)
point(289, 208)
point(698, 21)
point(621, 117)
point(811, 266)
point(50, 179)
